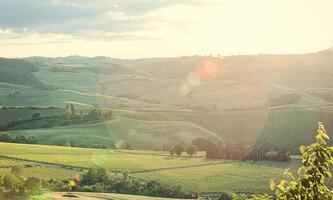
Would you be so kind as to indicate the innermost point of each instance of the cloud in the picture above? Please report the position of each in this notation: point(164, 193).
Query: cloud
point(37, 13)
point(95, 20)
point(69, 16)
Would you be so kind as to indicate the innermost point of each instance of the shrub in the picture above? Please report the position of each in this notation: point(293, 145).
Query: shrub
point(16, 170)
point(310, 184)
point(33, 185)
point(36, 116)
point(95, 175)
point(98, 180)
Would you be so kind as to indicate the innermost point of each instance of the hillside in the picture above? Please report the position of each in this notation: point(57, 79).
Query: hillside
point(284, 129)
point(243, 100)
point(18, 71)
point(234, 82)
point(140, 134)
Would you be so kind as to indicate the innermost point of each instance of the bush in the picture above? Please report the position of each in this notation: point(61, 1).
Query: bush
point(33, 185)
point(95, 175)
point(316, 164)
point(17, 170)
point(99, 180)
point(36, 116)
point(12, 186)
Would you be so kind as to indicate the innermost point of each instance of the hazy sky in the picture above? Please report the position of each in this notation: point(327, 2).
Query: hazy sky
point(159, 28)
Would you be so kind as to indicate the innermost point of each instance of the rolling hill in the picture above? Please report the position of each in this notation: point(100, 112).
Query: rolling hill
point(18, 71)
point(234, 82)
point(244, 99)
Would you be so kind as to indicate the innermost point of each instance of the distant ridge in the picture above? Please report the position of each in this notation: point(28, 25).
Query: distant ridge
point(20, 72)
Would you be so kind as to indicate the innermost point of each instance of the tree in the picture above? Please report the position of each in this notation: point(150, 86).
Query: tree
point(127, 146)
point(67, 144)
point(202, 144)
point(72, 109)
point(178, 149)
point(36, 116)
point(95, 175)
point(6, 138)
point(172, 151)
point(191, 150)
point(316, 163)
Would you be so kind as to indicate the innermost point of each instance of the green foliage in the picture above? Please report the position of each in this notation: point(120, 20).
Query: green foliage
point(11, 186)
point(191, 150)
point(33, 185)
point(17, 139)
point(310, 184)
point(95, 175)
point(99, 180)
point(36, 115)
point(178, 149)
point(17, 170)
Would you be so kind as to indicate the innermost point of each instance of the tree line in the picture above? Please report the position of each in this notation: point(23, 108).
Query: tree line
point(18, 139)
point(220, 150)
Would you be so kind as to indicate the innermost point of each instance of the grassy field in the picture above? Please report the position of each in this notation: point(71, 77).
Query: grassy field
point(28, 96)
point(30, 169)
point(140, 134)
point(7, 115)
point(151, 130)
point(45, 173)
point(287, 128)
point(197, 173)
point(113, 160)
point(229, 177)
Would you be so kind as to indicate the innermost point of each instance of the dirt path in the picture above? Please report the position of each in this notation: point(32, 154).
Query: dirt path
point(180, 167)
point(97, 196)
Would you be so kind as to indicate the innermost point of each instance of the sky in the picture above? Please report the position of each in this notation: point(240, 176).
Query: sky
point(163, 28)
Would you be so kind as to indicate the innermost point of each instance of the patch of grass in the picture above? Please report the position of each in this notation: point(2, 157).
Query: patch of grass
point(113, 160)
point(286, 129)
point(230, 177)
point(140, 134)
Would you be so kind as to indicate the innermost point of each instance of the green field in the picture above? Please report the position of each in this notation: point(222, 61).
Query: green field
point(140, 134)
point(285, 128)
point(153, 130)
point(196, 174)
point(31, 169)
point(8, 115)
point(230, 177)
point(29, 96)
point(85, 158)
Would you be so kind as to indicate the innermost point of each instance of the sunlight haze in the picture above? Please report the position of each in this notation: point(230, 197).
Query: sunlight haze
point(169, 28)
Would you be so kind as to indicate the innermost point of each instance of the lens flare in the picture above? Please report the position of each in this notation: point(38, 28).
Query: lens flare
point(194, 79)
point(184, 90)
point(208, 69)
point(99, 159)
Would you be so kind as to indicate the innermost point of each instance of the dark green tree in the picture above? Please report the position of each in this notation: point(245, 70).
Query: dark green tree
point(191, 150)
point(178, 149)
